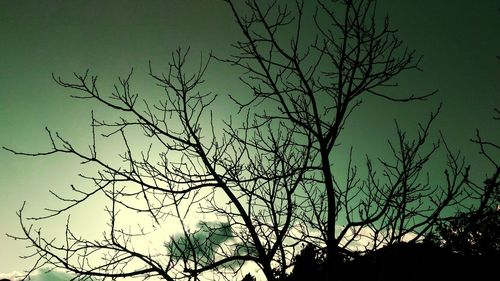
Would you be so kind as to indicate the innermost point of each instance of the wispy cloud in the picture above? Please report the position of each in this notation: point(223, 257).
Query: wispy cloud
point(39, 275)
point(13, 276)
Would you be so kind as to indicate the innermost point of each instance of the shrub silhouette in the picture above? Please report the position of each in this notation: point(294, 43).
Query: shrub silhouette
point(248, 277)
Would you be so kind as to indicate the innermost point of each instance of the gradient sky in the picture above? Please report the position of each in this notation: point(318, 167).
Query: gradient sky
point(459, 41)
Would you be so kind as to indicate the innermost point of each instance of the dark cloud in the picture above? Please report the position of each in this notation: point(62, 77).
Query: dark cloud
point(202, 243)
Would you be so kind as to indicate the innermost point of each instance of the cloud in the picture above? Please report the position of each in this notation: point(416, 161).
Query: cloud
point(13, 276)
point(40, 275)
point(205, 240)
point(363, 238)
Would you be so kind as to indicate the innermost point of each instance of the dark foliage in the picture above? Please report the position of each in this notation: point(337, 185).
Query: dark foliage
point(426, 260)
point(418, 261)
point(473, 234)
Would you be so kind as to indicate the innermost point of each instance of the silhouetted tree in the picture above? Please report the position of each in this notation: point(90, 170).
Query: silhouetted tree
point(316, 81)
point(268, 180)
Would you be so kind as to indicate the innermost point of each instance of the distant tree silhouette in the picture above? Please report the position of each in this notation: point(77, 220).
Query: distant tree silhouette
point(423, 260)
point(268, 178)
point(413, 261)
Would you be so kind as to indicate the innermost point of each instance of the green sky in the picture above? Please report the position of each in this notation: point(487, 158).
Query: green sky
point(459, 41)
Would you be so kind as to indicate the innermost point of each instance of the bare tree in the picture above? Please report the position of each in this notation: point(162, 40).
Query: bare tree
point(267, 179)
point(315, 80)
point(256, 175)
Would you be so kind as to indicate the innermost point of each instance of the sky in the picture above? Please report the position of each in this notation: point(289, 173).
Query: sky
point(459, 41)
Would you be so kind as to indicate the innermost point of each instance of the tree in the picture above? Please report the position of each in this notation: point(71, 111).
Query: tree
point(316, 84)
point(268, 180)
